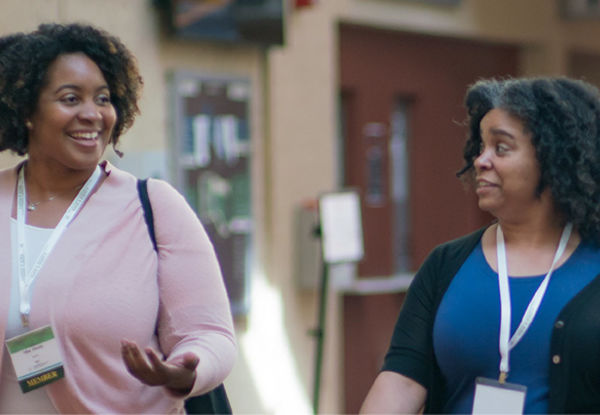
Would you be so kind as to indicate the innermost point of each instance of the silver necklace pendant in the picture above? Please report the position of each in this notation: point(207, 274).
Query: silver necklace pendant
point(33, 205)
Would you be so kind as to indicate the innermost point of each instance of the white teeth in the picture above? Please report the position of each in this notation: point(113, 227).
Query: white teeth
point(85, 136)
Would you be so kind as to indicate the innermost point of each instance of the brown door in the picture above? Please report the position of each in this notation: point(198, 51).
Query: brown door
point(402, 109)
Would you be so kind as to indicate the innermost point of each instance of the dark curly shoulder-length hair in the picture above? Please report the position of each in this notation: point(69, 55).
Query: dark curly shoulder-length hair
point(24, 62)
point(563, 117)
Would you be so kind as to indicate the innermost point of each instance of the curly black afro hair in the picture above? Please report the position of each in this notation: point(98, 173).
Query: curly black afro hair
point(24, 62)
point(563, 117)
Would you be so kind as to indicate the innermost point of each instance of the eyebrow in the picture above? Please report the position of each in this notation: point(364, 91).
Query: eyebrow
point(502, 132)
point(77, 87)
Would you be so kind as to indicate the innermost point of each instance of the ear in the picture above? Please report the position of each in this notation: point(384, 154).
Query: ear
point(29, 125)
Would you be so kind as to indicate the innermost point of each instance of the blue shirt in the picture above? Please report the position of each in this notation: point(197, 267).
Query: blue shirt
point(467, 324)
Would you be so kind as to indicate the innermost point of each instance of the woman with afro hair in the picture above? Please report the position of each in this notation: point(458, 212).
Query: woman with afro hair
point(95, 318)
point(505, 320)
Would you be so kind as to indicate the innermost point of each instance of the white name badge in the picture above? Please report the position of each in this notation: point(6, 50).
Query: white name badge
point(493, 397)
point(36, 358)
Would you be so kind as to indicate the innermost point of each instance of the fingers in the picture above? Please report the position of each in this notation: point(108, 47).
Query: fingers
point(156, 362)
point(132, 356)
point(149, 368)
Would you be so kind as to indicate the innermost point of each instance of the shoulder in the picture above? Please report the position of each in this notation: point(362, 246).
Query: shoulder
point(166, 202)
point(174, 219)
point(443, 262)
point(165, 197)
point(119, 179)
point(457, 249)
point(159, 191)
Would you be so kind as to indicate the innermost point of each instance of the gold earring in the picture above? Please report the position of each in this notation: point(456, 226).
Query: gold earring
point(28, 124)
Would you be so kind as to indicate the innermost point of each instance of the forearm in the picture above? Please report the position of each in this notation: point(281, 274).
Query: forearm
point(393, 393)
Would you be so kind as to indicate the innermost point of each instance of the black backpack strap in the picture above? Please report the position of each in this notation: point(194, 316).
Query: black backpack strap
point(142, 186)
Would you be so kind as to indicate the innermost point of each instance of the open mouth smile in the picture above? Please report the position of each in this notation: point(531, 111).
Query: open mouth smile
point(85, 136)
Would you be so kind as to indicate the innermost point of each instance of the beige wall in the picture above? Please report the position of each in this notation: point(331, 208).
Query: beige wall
point(294, 128)
point(302, 135)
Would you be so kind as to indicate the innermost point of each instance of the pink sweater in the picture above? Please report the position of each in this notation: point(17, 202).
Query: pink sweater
point(103, 282)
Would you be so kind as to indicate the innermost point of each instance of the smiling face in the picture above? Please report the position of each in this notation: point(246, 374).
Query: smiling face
point(507, 171)
point(74, 118)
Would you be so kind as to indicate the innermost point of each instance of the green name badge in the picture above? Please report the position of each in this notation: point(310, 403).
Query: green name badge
point(36, 358)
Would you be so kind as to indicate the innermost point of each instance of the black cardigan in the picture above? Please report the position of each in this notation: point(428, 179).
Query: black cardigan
point(574, 349)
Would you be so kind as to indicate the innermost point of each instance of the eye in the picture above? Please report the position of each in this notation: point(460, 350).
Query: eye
point(103, 99)
point(69, 99)
point(502, 149)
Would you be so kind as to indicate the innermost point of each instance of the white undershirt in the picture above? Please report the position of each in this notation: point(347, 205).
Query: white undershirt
point(12, 400)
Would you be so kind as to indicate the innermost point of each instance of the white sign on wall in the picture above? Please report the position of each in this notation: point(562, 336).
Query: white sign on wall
point(341, 227)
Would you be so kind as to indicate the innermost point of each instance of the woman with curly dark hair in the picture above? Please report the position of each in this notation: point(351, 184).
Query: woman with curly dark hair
point(95, 318)
point(505, 320)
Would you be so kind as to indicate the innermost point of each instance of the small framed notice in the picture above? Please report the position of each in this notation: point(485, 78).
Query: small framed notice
point(341, 227)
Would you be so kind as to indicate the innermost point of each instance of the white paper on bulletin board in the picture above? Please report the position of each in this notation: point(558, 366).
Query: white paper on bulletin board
point(341, 227)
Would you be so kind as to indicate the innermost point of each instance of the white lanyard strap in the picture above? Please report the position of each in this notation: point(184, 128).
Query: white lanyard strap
point(507, 344)
point(26, 279)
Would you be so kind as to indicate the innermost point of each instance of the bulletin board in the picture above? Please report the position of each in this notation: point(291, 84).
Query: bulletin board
point(212, 169)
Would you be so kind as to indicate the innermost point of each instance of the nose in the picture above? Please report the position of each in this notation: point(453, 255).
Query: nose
point(483, 161)
point(90, 111)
